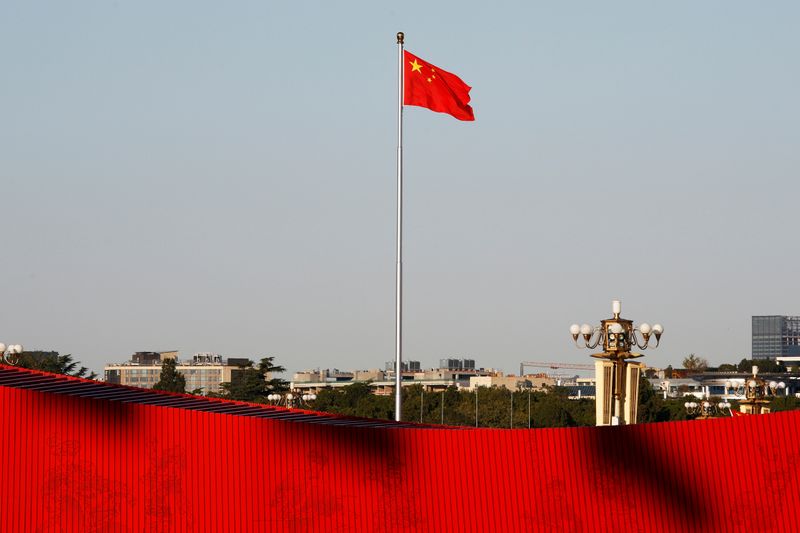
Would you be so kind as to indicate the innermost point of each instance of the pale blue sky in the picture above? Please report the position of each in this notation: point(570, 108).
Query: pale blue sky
point(219, 176)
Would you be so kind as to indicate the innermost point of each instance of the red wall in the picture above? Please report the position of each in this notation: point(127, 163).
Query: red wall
point(78, 464)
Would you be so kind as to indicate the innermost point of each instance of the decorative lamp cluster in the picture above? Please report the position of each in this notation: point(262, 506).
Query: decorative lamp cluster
point(9, 355)
point(617, 335)
point(706, 409)
point(755, 388)
point(757, 392)
point(290, 399)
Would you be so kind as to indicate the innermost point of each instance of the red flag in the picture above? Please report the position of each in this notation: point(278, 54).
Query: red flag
point(429, 86)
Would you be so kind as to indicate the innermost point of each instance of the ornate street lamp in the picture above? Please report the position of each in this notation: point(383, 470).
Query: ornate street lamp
point(9, 355)
point(707, 409)
point(758, 393)
point(618, 336)
point(290, 399)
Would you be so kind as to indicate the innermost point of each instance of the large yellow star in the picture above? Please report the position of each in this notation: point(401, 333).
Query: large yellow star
point(415, 67)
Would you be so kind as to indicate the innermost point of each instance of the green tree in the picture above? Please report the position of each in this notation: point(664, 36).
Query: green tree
point(784, 403)
point(250, 384)
point(55, 363)
point(727, 367)
point(583, 412)
point(553, 409)
point(692, 363)
point(414, 402)
point(651, 405)
point(494, 407)
point(764, 365)
point(549, 408)
point(675, 408)
point(170, 379)
point(356, 399)
point(267, 367)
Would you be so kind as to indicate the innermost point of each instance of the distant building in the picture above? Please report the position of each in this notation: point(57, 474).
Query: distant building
point(205, 372)
point(678, 387)
point(453, 373)
point(329, 375)
point(511, 382)
point(724, 385)
point(776, 336)
point(583, 388)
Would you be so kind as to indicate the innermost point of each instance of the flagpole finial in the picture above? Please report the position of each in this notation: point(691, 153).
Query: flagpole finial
point(400, 37)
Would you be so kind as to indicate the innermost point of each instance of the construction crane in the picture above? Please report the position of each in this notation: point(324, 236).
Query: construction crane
point(554, 366)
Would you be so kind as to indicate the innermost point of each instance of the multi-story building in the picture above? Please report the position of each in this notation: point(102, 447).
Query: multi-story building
point(511, 382)
point(776, 336)
point(454, 373)
point(204, 373)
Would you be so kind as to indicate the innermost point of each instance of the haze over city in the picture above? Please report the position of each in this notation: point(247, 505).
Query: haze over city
point(214, 177)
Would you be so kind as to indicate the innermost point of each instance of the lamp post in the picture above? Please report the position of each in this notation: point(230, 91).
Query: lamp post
point(442, 407)
point(476, 406)
point(529, 409)
point(757, 392)
point(291, 399)
point(706, 409)
point(511, 412)
point(9, 355)
point(617, 337)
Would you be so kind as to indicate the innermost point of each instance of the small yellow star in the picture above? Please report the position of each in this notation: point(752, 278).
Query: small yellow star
point(415, 67)
point(429, 80)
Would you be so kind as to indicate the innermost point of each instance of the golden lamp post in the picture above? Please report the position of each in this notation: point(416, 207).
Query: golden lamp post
point(9, 355)
point(291, 399)
point(616, 378)
point(757, 392)
point(706, 408)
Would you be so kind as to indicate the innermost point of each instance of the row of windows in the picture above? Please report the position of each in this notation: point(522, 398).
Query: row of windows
point(141, 380)
point(776, 325)
point(193, 372)
point(148, 372)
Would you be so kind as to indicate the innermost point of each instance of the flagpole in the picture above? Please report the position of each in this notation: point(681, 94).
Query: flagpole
point(398, 373)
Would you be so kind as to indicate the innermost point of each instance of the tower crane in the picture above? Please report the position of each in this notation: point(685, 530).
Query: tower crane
point(553, 366)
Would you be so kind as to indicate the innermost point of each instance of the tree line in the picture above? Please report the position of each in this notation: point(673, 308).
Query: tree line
point(497, 407)
point(248, 383)
point(50, 361)
point(693, 364)
point(492, 407)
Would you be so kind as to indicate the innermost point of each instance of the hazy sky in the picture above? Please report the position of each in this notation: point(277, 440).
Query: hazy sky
point(220, 176)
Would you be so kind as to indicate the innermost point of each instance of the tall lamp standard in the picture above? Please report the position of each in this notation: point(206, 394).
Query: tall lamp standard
point(706, 409)
point(617, 337)
point(290, 399)
point(9, 355)
point(758, 393)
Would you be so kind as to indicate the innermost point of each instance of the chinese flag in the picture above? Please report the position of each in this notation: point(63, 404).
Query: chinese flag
point(429, 86)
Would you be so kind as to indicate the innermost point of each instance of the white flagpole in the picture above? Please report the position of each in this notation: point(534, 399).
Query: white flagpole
point(398, 374)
